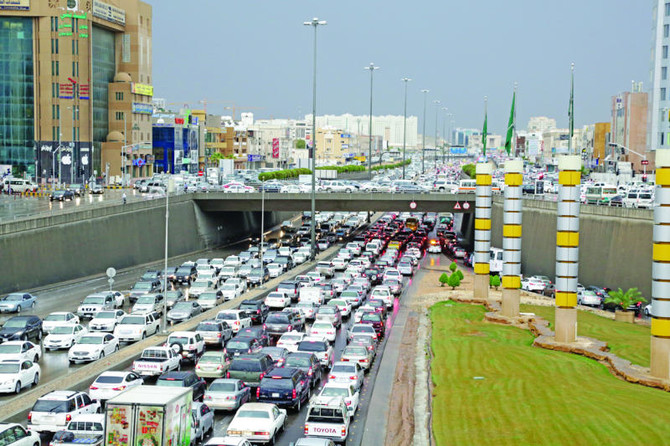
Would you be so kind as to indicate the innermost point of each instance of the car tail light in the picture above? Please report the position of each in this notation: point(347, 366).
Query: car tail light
point(348, 403)
point(218, 367)
point(197, 366)
point(309, 372)
point(118, 389)
point(290, 327)
point(258, 392)
point(92, 388)
point(344, 431)
point(331, 376)
point(352, 377)
point(261, 375)
point(228, 375)
point(294, 394)
point(30, 417)
point(68, 418)
point(261, 433)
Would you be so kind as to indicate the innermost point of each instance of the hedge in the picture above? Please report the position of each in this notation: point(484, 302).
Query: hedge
point(392, 166)
point(469, 170)
point(283, 174)
point(294, 173)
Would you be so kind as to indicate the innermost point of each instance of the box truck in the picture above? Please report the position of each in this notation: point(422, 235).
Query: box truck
point(149, 416)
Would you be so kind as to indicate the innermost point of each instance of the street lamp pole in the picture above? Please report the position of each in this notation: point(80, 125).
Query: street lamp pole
point(444, 133)
point(168, 189)
point(437, 109)
point(625, 149)
point(315, 22)
point(423, 144)
point(404, 128)
point(372, 69)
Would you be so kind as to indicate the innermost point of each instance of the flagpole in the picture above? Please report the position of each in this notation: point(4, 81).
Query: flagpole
point(571, 109)
point(514, 123)
point(486, 117)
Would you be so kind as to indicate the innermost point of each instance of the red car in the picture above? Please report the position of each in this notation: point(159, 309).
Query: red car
point(376, 320)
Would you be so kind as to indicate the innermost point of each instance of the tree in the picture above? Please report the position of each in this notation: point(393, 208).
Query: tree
point(300, 144)
point(444, 278)
point(459, 273)
point(453, 267)
point(215, 157)
point(625, 299)
point(494, 281)
point(454, 280)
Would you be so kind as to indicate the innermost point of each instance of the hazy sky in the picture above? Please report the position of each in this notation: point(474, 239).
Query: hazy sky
point(257, 53)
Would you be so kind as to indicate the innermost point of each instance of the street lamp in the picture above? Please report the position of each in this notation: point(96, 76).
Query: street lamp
point(437, 109)
point(444, 133)
point(423, 144)
point(372, 69)
point(625, 149)
point(404, 128)
point(315, 23)
point(169, 188)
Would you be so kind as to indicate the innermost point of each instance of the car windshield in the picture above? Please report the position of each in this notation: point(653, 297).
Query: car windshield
point(222, 387)
point(200, 284)
point(13, 323)
point(172, 294)
point(178, 340)
point(252, 414)
point(232, 344)
point(277, 319)
point(256, 272)
point(56, 317)
point(141, 286)
point(9, 349)
point(94, 300)
point(227, 316)
point(312, 346)
point(297, 361)
point(170, 382)
point(277, 383)
point(62, 330)
point(354, 351)
point(106, 315)
point(91, 340)
point(109, 379)
point(182, 306)
point(244, 365)
point(50, 406)
point(227, 286)
point(341, 368)
point(13, 298)
point(362, 329)
point(133, 320)
point(291, 338)
point(208, 326)
point(146, 300)
point(211, 357)
point(322, 326)
point(334, 391)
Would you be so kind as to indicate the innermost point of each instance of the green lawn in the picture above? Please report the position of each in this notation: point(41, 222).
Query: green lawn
point(627, 341)
point(530, 396)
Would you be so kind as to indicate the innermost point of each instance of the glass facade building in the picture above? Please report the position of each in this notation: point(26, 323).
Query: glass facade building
point(17, 109)
point(104, 68)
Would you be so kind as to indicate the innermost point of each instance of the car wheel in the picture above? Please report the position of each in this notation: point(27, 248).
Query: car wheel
point(17, 389)
point(18, 308)
point(144, 335)
point(36, 378)
point(32, 305)
point(39, 335)
point(36, 358)
point(116, 349)
point(102, 355)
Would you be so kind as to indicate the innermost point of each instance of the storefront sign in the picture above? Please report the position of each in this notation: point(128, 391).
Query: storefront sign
point(275, 147)
point(109, 12)
point(142, 89)
point(143, 109)
point(22, 5)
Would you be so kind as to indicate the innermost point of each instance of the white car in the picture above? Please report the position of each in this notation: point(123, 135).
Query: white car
point(384, 294)
point(316, 277)
point(204, 417)
point(290, 340)
point(93, 346)
point(324, 329)
point(391, 273)
point(59, 319)
point(228, 441)
point(257, 422)
point(233, 261)
point(277, 299)
point(434, 248)
point(348, 372)
point(275, 270)
point(533, 284)
point(343, 305)
point(200, 286)
point(106, 320)
point(16, 375)
point(110, 384)
point(345, 390)
point(229, 291)
point(53, 411)
point(20, 351)
point(20, 436)
point(320, 347)
point(307, 308)
point(240, 283)
point(237, 319)
point(64, 337)
point(135, 327)
point(340, 264)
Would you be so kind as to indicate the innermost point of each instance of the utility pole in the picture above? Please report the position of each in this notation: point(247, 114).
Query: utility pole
point(404, 128)
point(423, 144)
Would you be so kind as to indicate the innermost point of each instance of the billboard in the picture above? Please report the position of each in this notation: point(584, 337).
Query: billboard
point(275, 147)
point(253, 158)
point(143, 109)
point(458, 150)
point(142, 89)
point(17, 5)
point(109, 12)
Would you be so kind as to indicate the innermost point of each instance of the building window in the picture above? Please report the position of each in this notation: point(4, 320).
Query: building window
point(119, 116)
point(665, 51)
point(75, 47)
point(54, 23)
point(664, 73)
point(663, 94)
point(662, 139)
point(119, 96)
point(666, 31)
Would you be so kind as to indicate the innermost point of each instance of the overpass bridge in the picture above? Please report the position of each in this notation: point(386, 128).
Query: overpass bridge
point(337, 202)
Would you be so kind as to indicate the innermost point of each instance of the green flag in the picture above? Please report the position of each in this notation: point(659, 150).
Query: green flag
point(571, 109)
point(510, 127)
point(484, 132)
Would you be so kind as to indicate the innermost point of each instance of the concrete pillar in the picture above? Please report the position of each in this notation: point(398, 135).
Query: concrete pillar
point(511, 273)
point(567, 246)
point(482, 229)
point(660, 271)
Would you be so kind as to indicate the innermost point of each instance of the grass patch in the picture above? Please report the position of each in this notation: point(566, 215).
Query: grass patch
point(529, 396)
point(627, 341)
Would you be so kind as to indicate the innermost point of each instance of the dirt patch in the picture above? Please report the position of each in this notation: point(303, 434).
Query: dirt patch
point(474, 333)
point(401, 419)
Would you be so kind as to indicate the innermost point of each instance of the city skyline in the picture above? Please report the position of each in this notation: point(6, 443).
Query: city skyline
point(269, 64)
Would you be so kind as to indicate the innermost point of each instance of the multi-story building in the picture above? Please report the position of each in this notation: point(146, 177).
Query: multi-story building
point(391, 128)
point(658, 130)
point(80, 76)
point(601, 139)
point(541, 124)
point(629, 125)
point(333, 146)
point(176, 141)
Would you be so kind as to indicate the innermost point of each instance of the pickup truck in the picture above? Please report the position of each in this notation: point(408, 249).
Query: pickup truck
point(326, 269)
point(135, 327)
point(155, 361)
point(97, 302)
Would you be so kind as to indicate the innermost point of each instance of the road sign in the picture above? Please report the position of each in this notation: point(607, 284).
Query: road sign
point(110, 281)
point(412, 205)
point(644, 162)
point(466, 205)
point(457, 206)
point(111, 272)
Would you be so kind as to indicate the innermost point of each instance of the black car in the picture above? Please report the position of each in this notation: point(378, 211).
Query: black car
point(186, 274)
point(284, 261)
point(308, 363)
point(184, 379)
point(21, 328)
point(374, 275)
point(242, 345)
point(258, 276)
point(77, 189)
point(288, 387)
point(256, 309)
point(61, 195)
point(152, 275)
point(258, 332)
point(277, 323)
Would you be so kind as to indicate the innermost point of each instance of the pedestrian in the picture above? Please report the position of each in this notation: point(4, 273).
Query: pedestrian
point(123, 197)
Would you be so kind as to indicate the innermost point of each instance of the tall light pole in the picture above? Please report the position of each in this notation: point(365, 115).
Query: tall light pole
point(372, 69)
point(437, 109)
point(404, 128)
point(444, 132)
point(423, 144)
point(315, 22)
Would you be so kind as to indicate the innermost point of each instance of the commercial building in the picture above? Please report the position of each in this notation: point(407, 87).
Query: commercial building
point(176, 142)
point(541, 124)
point(629, 126)
point(601, 139)
point(334, 146)
point(79, 73)
point(390, 128)
point(658, 132)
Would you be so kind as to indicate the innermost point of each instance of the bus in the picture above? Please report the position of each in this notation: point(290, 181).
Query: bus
point(412, 223)
point(600, 194)
point(467, 186)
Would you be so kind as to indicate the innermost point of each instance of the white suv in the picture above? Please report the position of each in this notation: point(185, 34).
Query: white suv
point(15, 435)
point(188, 344)
point(53, 411)
point(135, 327)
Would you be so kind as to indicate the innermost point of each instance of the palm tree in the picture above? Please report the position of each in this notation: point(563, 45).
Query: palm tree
point(625, 299)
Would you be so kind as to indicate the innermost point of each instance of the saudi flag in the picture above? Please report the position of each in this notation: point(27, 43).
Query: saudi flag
point(510, 127)
point(484, 132)
point(571, 109)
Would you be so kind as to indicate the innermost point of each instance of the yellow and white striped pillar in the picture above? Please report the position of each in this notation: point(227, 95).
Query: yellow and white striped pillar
point(660, 271)
point(482, 229)
point(511, 273)
point(567, 246)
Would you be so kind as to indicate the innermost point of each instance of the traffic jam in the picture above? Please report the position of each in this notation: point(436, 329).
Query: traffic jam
point(294, 364)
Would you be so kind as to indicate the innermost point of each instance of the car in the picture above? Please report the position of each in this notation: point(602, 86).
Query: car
point(278, 354)
point(109, 384)
point(227, 394)
point(97, 302)
point(59, 319)
point(330, 314)
point(230, 291)
point(213, 364)
point(190, 345)
point(256, 309)
point(348, 372)
point(257, 422)
point(186, 274)
point(96, 189)
point(142, 288)
point(17, 302)
point(308, 309)
point(348, 391)
point(174, 296)
point(377, 322)
point(250, 368)
point(323, 328)
point(64, 336)
point(590, 298)
point(106, 320)
point(258, 332)
point(214, 332)
point(183, 311)
point(12, 434)
point(278, 322)
point(93, 346)
point(258, 276)
point(54, 410)
point(290, 340)
point(344, 306)
point(533, 284)
point(135, 327)
point(184, 379)
point(21, 328)
point(320, 347)
point(20, 350)
point(203, 418)
point(200, 286)
point(16, 374)
point(227, 441)
point(237, 319)
point(210, 299)
point(277, 299)
point(148, 303)
point(61, 195)
point(286, 386)
point(242, 344)
point(86, 425)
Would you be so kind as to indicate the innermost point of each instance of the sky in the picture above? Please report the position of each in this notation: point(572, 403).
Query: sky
point(257, 53)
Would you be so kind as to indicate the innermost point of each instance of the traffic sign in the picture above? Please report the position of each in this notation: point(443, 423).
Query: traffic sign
point(457, 206)
point(110, 281)
point(466, 205)
point(111, 272)
point(644, 162)
point(412, 205)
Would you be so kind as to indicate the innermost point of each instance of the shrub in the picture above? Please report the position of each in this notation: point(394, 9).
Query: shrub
point(625, 299)
point(459, 273)
point(494, 281)
point(454, 280)
point(453, 267)
point(444, 278)
point(469, 170)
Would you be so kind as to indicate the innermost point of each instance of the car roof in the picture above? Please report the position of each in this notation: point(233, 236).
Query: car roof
point(283, 372)
point(58, 395)
point(257, 406)
point(176, 375)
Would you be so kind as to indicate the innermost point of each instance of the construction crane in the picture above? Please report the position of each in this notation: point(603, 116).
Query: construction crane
point(233, 106)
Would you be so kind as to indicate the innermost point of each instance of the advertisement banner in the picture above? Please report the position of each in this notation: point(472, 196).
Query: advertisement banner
point(143, 109)
point(17, 5)
point(142, 89)
point(109, 12)
point(275, 147)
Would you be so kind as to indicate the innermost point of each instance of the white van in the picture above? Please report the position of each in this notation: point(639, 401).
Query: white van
point(600, 194)
point(467, 186)
point(327, 417)
point(496, 261)
point(19, 185)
